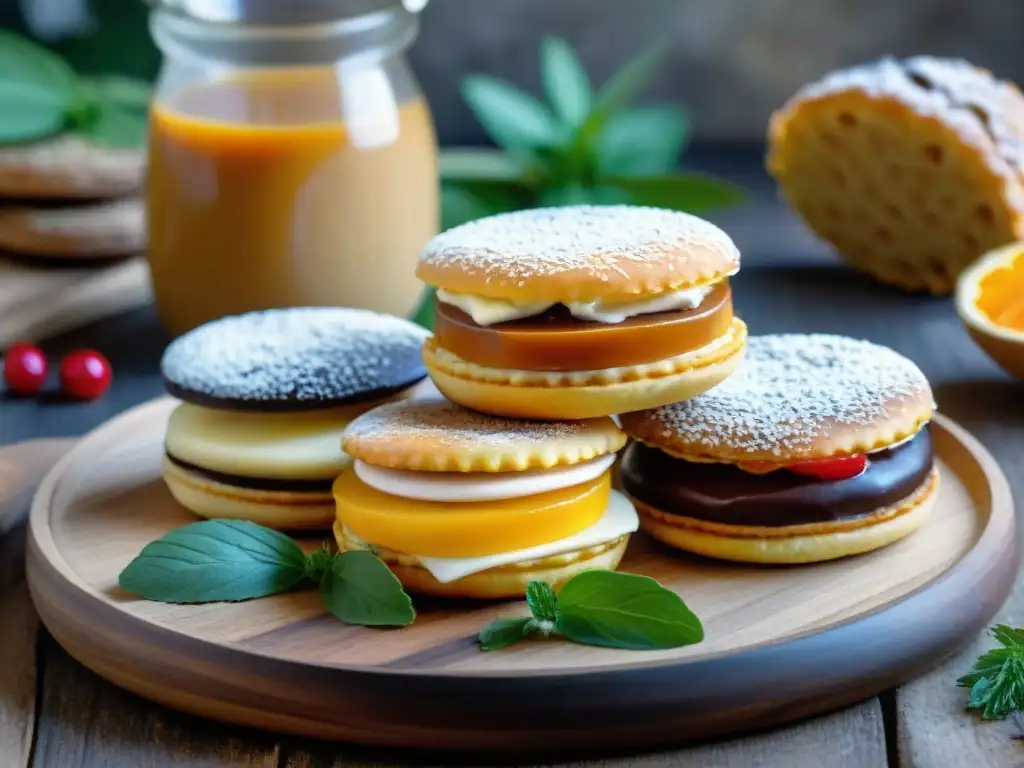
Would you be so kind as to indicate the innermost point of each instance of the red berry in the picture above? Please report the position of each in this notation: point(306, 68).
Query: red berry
point(831, 469)
point(24, 368)
point(85, 374)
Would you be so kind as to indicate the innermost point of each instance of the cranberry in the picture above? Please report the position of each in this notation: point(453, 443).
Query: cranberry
point(85, 374)
point(839, 468)
point(24, 368)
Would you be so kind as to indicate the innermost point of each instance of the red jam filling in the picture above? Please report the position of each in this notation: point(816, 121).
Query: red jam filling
point(837, 468)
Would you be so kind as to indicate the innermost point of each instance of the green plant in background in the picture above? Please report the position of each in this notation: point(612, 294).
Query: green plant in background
point(41, 95)
point(581, 146)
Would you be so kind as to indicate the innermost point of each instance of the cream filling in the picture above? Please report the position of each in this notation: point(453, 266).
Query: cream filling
point(619, 519)
point(487, 311)
point(461, 487)
point(281, 446)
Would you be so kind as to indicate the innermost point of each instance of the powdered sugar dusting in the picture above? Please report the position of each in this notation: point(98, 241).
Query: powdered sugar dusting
point(448, 424)
point(526, 244)
point(301, 355)
point(790, 389)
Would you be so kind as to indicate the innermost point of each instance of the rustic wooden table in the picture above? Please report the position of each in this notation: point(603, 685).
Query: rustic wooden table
point(54, 713)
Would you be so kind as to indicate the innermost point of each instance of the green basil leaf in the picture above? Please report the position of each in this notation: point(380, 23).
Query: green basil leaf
point(624, 610)
point(124, 92)
point(215, 560)
point(464, 201)
point(501, 633)
point(542, 601)
point(565, 82)
point(1008, 636)
point(688, 192)
point(513, 118)
point(109, 125)
point(578, 194)
point(482, 165)
point(38, 90)
point(621, 88)
point(643, 140)
point(424, 314)
point(360, 589)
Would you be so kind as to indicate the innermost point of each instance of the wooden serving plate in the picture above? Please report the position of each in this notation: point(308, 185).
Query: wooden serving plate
point(781, 642)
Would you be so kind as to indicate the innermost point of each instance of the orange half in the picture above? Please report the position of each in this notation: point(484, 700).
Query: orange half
point(990, 302)
point(467, 529)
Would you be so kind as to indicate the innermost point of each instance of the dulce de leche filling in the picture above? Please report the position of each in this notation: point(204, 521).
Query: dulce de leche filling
point(724, 493)
point(556, 341)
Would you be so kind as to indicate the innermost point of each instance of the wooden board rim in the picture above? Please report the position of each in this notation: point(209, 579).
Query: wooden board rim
point(989, 567)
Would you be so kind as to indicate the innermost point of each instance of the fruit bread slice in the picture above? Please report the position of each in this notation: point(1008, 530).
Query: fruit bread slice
point(910, 169)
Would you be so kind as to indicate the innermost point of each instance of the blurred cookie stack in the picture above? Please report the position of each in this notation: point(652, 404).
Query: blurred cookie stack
point(65, 199)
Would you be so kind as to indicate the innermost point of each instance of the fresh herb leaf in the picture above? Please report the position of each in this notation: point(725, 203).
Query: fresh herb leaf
point(621, 88)
point(501, 633)
point(481, 165)
point(980, 692)
point(614, 610)
point(318, 563)
point(112, 126)
point(691, 192)
point(513, 118)
point(38, 90)
point(360, 589)
point(124, 92)
point(642, 140)
point(542, 601)
point(467, 200)
point(215, 560)
point(623, 610)
point(424, 314)
point(997, 677)
point(1008, 636)
point(584, 149)
point(565, 82)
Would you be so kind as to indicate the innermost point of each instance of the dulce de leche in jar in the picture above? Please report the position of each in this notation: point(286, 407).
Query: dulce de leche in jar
point(292, 159)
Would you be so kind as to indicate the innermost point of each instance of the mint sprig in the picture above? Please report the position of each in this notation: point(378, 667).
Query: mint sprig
point(231, 560)
point(604, 608)
point(579, 146)
point(997, 678)
point(41, 95)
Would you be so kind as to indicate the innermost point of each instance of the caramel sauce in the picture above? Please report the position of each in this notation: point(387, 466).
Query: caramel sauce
point(556, 341)
point(262, 194)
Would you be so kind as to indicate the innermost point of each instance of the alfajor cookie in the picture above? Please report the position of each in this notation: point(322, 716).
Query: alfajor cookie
point(459, 503)
point(267, 396)
point(70, 166)
point(912, 169)
point(582, 311)
point(93, 230)
point(816, 448)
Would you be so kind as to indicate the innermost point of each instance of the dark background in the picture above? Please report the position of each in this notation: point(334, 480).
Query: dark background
point(731, 61)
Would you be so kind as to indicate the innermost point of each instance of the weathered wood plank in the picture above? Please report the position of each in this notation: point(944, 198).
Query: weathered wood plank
point(18, 628)
point(933, 729)
point(851, 738)
point(86, 722)
point(22, 467)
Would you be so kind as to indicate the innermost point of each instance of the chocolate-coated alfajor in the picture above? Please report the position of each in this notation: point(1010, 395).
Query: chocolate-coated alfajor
point(816, 448)
point(267, 396)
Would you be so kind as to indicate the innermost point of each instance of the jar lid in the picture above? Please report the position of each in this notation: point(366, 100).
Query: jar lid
point(276, 12)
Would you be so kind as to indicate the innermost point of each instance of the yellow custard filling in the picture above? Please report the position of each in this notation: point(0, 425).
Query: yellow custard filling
point(470, 529)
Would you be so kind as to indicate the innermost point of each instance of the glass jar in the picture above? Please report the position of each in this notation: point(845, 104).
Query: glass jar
point(292, 158)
